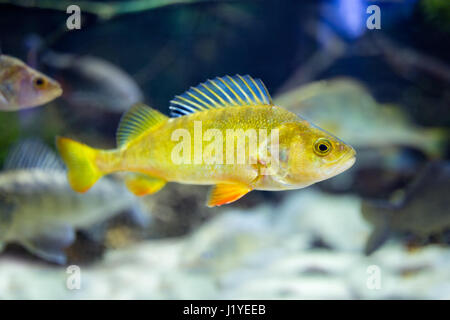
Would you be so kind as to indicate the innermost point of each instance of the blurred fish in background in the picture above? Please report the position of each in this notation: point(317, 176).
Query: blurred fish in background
point(423, 211)
point(41, 212)
point(346, 108)
point(92, 82)
point(390, 145)
point(22, 87)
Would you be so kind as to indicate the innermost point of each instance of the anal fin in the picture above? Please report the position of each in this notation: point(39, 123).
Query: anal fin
point(224, 193)
point(141, 184)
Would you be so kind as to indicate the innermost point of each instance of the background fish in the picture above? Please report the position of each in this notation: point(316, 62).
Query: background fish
point(346, 108)
point(422, 212)
point(90, 81)
point(23, 87)
point(391, 147)
point(379, 172)
point(307, 154)
point(40, 211)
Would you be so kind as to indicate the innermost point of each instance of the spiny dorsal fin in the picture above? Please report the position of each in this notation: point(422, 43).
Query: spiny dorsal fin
point(219, 93)
point(136, 121)
point(32, 154)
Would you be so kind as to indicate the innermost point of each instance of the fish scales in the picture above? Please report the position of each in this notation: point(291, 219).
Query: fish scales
point(158, 155)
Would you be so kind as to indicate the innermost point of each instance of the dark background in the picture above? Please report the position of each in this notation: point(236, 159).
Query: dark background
point(171, 48)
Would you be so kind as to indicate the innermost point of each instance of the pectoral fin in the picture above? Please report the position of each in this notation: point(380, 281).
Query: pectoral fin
point(51, 246)
point(141, 184)
point(226, 193)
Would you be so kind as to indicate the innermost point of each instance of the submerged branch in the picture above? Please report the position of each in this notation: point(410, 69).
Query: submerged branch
point(404, 59)
point(333, 49)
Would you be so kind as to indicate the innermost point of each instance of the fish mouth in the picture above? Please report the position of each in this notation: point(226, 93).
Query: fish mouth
point(58, 91)
point(46, 97)
point(56, 88)
point(344, 163)
point(348, 163)
point(347, 160)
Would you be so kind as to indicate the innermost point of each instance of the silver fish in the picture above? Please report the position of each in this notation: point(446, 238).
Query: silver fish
point(23, 87)
point(347, 109)
point(39, 210)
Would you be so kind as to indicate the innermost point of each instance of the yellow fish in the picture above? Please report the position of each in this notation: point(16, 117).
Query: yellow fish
point(23, 87)
point(251, 144)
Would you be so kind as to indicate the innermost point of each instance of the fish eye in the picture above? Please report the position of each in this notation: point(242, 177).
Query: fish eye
point(322, 147)
point(39, 82)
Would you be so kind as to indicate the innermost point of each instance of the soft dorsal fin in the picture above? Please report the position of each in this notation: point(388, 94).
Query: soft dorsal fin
point(219, 93)
point(32, 154)
point(136, 121)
